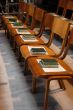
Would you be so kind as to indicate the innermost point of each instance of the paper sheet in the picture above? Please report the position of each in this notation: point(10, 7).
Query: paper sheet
point(9, 16)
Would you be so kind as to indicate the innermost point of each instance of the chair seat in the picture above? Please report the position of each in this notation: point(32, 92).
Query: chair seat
point(37, 71)
point(26, 52)
point(20, 41)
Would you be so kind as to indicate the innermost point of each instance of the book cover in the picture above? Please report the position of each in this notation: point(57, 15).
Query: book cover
point(48, 63)
point(38, 51)
point(18, 24)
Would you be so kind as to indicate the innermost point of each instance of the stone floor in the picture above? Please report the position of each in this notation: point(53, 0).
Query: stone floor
point(21, 86)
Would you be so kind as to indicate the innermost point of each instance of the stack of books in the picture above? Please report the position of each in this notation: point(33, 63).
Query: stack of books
point(48, 63)
point(38, 51)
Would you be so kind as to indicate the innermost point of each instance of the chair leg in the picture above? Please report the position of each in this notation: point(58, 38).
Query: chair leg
point(19, 53)
point(33, 84)
point(46, 94)
point(14, 46)
point(61, 83)
point(25, 68)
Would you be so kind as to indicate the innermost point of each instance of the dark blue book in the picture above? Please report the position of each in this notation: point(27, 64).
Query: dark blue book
point(38, 50)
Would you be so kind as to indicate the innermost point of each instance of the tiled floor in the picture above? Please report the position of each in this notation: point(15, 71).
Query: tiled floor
point(21, 86)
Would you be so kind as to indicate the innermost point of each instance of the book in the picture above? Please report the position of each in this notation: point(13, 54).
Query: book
point(48, 63)
point(22, 29)
point(18, 24)
point(12, 20)
point(38, 51)
point(28, 37)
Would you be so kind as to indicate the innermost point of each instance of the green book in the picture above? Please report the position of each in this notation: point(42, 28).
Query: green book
point(18, 24)
point(49, 63)
point(38, 51)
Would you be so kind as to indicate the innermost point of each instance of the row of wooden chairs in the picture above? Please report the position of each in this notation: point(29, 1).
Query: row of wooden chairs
point(45, 26)
point(58, 26)
point(64, 4)
point(35, 17)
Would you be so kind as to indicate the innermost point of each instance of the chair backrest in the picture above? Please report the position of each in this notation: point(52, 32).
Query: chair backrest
point(69, 43)
point(30, 12)
point(60, 28)
point(70, 39)
point(23, 7)
point(65, 5)
point(38, 17)
point(69, 6)
point(61, 4)
point(47, 22)
point(31, 9)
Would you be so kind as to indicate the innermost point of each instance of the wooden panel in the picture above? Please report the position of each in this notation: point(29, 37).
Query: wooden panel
point(60, 26)
point(71, 37)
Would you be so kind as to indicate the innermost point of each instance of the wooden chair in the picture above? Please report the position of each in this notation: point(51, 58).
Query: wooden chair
point(38, 72)
point(61, 28)
point(37, 18)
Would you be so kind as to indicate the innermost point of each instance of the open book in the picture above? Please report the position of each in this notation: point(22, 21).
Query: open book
point(48, 63)
point(38, 50)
